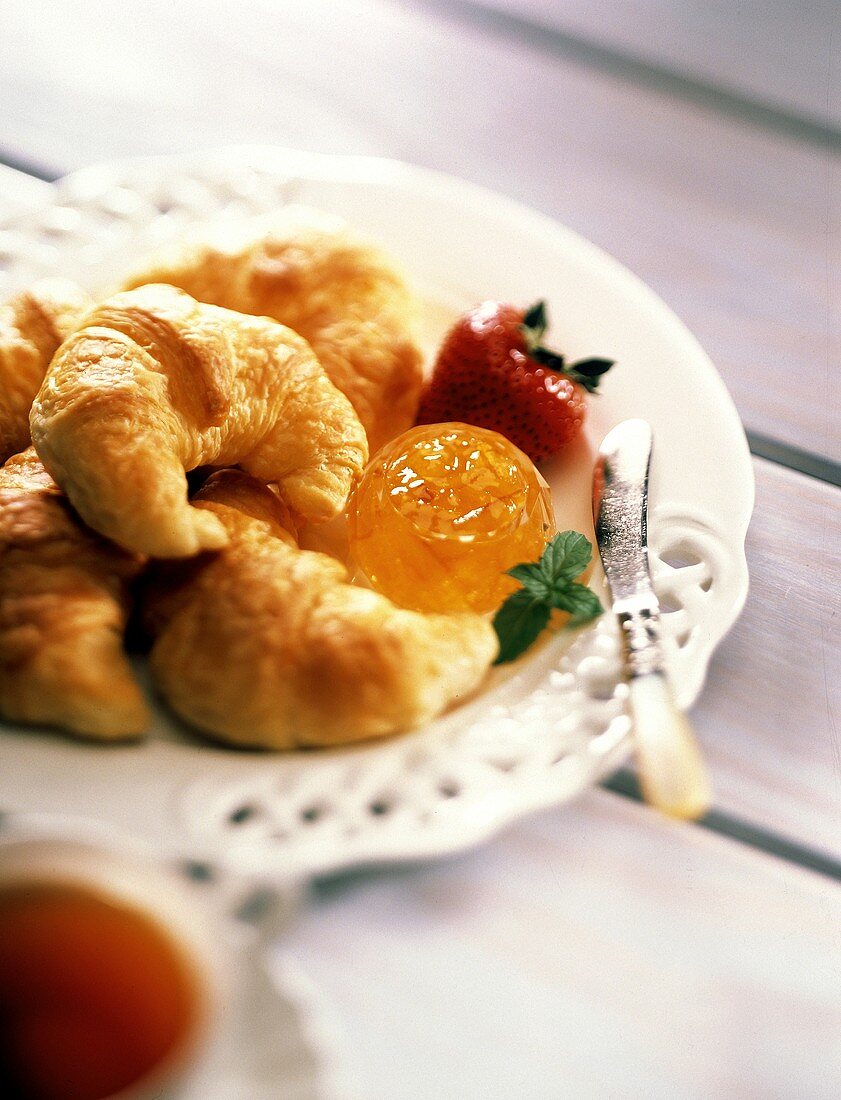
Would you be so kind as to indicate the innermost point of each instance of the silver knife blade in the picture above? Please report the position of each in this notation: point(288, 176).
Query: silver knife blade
point(620, 508)
point(671, 770)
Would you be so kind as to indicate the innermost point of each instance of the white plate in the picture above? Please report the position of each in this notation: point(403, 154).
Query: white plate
point(537, 735)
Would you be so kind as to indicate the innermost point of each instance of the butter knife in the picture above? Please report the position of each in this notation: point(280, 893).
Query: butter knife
point(669, 764)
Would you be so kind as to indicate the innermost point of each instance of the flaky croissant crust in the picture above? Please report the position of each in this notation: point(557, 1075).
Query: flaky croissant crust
point(63, 609)
point(155, 383)
point(268, 645)
point(32, 325)
point(342, 294)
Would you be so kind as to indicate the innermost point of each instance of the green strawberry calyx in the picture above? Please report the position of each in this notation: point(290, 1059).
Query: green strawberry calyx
point(586, 372)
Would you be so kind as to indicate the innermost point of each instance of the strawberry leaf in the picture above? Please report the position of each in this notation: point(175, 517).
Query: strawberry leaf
point(548, 358)
point(588, 372)
point(534, 324)
point(592, 368)
point(518, 623)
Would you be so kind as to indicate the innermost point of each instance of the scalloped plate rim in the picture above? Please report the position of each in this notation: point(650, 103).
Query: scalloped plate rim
point(299, 165)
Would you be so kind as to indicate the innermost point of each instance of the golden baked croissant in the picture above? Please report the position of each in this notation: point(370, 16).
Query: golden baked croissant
point(345, 298)
point(63, 608)
point(32, 325)
point(155, 384)
point(265, 644)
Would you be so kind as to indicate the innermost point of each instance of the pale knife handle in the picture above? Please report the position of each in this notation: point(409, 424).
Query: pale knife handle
point(671, 771)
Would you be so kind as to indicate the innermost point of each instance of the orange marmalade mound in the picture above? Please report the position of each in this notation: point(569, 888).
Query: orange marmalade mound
point(442, 511)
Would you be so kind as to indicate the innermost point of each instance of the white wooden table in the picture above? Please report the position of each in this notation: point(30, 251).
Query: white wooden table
point(594, 951)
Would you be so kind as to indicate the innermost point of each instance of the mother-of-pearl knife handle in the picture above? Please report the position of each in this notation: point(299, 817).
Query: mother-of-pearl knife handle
point(671, 771)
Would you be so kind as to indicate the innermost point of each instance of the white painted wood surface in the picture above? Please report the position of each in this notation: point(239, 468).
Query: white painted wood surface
point(768, 718)
point(589, 953)
point(781, 53)
point(597, 951)
point(737, 227)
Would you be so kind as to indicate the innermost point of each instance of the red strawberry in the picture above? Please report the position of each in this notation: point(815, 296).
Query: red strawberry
point(493, 372)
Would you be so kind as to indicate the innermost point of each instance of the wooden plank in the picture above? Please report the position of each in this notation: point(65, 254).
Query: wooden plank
point(768, 717)
point(733, 225)
point(781, 54)
point(592, 951)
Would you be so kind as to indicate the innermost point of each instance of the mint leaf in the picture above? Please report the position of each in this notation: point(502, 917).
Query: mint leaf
point(547, 585)
point(518, 623)
point(580, 601)
point(566, 557)
point(531, 577)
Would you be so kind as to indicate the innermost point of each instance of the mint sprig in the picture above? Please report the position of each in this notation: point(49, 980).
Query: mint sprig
point(547, 585)
point(586, 372)
point(520, 620)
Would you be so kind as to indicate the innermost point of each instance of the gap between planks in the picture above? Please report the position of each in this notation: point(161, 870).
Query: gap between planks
point(625, 783)
point(28, 168)
point(793, 458)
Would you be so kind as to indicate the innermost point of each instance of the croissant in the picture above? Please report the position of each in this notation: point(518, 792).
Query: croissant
point(63, 608)
point(341, 294)
point(268, 645)
point(155, 384)
point(32, 325)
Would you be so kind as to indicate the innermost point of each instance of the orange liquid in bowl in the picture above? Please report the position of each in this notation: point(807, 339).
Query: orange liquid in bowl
point(442, 511)
point(93, 994)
